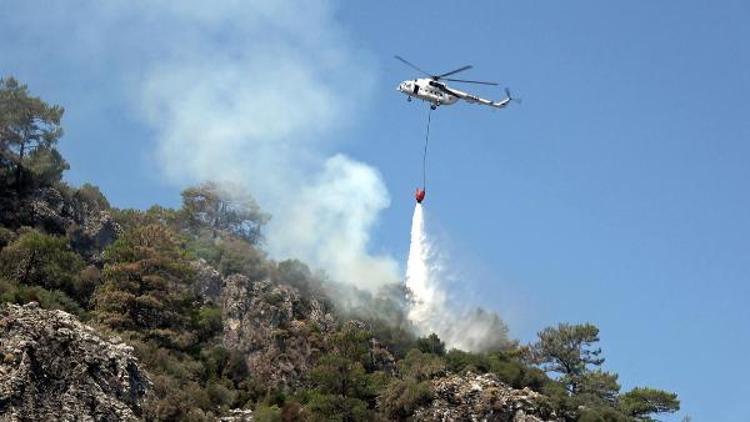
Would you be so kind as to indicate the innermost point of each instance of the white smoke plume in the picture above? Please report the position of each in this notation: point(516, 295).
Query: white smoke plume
point(257, 93)
point(430, 310)
point(249, 93)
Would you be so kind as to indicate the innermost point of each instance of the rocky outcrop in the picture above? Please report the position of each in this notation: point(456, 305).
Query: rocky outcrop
point(280, 332)
point(379, 357)
point(382, 358)
point(473, 397)
point(238, 415)
point(208, 282)
point(96, 232)
point(50, 209)
point(86, 220)
point(52, 367)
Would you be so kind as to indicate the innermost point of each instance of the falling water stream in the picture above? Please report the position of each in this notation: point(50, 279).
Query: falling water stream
point(427, 297)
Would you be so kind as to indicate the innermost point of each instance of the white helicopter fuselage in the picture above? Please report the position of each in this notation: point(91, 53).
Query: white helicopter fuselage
point(421, 89)
point(427, 89)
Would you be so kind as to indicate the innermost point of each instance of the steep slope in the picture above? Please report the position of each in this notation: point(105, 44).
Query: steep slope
point(279, 332)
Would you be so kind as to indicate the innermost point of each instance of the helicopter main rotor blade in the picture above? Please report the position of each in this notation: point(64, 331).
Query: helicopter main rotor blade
point(404, 61)
point(460, 69)
point(470, 82)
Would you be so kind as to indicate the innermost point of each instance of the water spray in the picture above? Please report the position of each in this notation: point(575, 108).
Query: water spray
point(420, 277)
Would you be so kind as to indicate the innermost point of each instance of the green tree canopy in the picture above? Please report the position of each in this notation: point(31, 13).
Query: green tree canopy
point(221, 209)
point(91, 196)
point(146, 286)
point(431, 344)
point(29, 129)
point(344, 388)
point(39, 259)
point(599, 387)
point(421, 366)
point(567, 350)
point(403, 395)
point(642, 403)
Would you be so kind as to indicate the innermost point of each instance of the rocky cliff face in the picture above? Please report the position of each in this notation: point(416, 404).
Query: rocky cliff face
point(95, 232)
point(208, 282)
point(48, 208)
point(483, 398)
point(280, 332)
point(88, 224)
point(52, 367)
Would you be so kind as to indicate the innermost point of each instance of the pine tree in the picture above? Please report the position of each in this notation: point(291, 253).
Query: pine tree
point(29, 130)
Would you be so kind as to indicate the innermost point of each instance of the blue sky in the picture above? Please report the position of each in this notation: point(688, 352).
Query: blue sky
point(616, 193)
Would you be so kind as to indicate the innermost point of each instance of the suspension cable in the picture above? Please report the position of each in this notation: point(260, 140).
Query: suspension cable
point(424, 155)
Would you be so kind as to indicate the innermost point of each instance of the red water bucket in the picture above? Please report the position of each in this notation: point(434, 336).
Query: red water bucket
point(419, 195)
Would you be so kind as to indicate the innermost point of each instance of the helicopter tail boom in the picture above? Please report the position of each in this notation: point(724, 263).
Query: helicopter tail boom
point(505, 101)
point(500, 104)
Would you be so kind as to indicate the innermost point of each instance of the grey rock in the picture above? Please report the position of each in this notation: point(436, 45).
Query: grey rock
point(48, 208)
point(56, 368)
point(97, 231)
point(382, 358)
point(238, 415)
point(208, 281)
point(281, 333)
point(482, 397)
point(89, 226)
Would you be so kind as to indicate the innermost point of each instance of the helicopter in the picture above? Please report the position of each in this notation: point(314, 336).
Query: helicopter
point(432, 90)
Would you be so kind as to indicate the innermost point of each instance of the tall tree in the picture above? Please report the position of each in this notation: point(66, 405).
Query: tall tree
point(343, 386)
point(146, 287)
point(567, 350)
point(29, 129)
point(222, 209)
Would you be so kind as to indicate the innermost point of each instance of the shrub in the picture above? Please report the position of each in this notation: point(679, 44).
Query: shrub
point(48, 299)
point(431, 344)
point(402, 397)
point(421, 366)
point(39, 259)
point(265, 413)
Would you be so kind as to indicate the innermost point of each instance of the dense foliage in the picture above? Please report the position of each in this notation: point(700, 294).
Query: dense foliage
point(141, 285)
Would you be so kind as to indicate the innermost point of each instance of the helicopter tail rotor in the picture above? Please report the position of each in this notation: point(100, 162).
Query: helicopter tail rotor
point(511, 97)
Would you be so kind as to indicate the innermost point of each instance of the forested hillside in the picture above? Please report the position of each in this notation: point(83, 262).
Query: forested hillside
point(217, 325)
